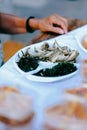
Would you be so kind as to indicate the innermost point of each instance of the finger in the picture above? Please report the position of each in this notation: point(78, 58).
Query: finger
point(61, 25)
point(54, 29)
point(62, 18)
point(62, 22)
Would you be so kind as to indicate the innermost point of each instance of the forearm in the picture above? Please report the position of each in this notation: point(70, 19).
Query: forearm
point(11, 24)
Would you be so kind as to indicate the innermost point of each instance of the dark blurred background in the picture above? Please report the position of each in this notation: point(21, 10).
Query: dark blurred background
point(42, 8)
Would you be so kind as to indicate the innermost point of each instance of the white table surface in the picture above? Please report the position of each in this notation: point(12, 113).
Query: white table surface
point(38, 90)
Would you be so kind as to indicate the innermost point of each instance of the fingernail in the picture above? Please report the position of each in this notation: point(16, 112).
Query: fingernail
point(61, 31)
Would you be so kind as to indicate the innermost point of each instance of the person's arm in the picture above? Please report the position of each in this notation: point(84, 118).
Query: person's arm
point(11, 24)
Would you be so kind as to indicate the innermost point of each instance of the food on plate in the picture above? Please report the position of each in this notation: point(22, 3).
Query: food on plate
point(84, 41)
point(56, 53)
point(81, 91)
point(65, 116)
point(16, 108)
point(61, 69)
point(29, 60)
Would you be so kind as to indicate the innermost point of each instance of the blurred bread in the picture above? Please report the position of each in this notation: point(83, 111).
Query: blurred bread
point(9, 89)
point(81, 92)
point(52, 119)
point(15, 107)
point(58, 117)
point(84, 41)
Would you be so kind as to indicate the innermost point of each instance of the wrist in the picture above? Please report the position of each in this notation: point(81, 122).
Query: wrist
point(34, 23)
point(29, 24)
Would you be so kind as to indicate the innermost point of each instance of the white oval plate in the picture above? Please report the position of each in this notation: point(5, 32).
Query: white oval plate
point(63, 42)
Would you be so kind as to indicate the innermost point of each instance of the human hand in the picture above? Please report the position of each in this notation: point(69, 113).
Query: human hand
point(54, 23)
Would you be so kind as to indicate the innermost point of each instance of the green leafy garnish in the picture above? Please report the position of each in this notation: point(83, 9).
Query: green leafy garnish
point(62, 68)
point(27, 62)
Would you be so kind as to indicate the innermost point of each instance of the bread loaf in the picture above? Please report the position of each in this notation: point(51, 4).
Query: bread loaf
point(15, 107)
point(80, 92)
point(65, 116)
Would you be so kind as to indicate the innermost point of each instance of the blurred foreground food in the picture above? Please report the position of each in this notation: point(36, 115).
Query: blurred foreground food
point(16, 108)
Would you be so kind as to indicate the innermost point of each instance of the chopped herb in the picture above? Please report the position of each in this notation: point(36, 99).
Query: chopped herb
point(62, 68)
point(28, 62)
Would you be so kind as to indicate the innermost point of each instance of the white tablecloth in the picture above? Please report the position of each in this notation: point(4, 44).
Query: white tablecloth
point(38, 90)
